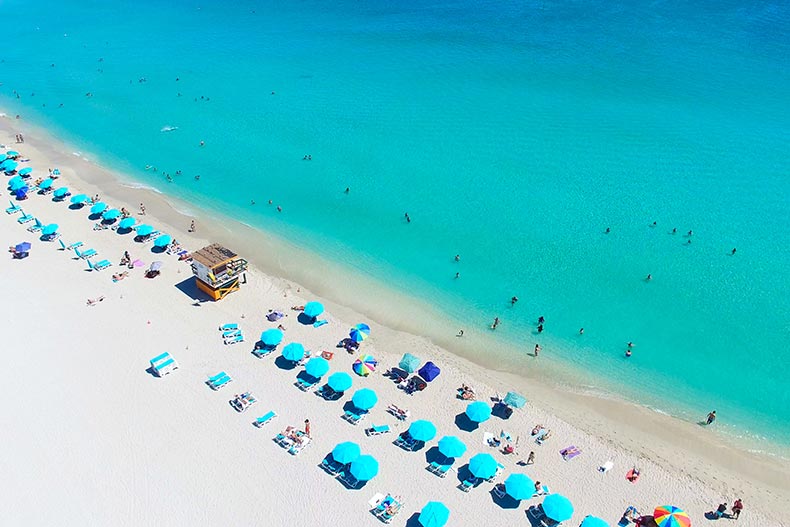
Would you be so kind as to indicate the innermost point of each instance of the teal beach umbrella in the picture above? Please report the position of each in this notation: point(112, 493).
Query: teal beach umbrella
point(313, 309)
point(79, 199)
point(12, 153)
point(163, 241)
point(317, 367)
point(25, 171)
point(272, 337)
point(483, 466)
point(519, 487)
point(422, 430)
point(557, 507)
point(111, 214)
point(434, 514)
point(347, 452)
point(52, 228)
point(409, 363)
point(47, 183)
point(478, 411)
point(61, 192)
point(293, 352)
point(451, 446)
point(144, 230)
point(593, 521)
point(98, 208)
point(126, 223)
point(364, 468)
point(9, 165)
point(339, 381)
point(365, 399)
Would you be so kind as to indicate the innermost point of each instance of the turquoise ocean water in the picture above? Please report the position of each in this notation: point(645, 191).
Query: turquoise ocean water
point(513, 133)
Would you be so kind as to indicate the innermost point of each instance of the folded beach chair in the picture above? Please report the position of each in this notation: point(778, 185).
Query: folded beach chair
point(262, 420)
point(163, 364)
point(229, 327)
point(37, 226)
point(25, 217)
point(98, 266)
point(235, 339)
point(89, 253)
point(13, 209)
point(378, 430)
point(331, 466)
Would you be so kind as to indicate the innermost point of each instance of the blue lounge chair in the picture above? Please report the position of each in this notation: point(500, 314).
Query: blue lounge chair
point(103, 264)
point(231, 333)
point(229, 327)
point(354, 417)
point(262, 352)
point(13, 209)
point(468, 484)
point(74, 246)
point(406, 442)
point(262, 420)
point(349, 480)
point(25, 217)
point(89, 253)
point(331, 466)
point(499, 469)
point(306, 382)
point(217, 377)
point(221, 383)
point(377, 430)
point(37, 226)
point(235, 339)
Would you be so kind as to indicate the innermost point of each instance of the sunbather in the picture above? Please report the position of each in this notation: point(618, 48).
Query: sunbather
point(400, 413)
point(120, 276)
point(94, 301)
point(297, 308)
point(537, 429)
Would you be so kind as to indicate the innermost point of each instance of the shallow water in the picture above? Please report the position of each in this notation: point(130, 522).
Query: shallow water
point(513, 134)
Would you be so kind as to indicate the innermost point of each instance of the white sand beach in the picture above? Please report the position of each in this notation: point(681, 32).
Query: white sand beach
point(92, 438)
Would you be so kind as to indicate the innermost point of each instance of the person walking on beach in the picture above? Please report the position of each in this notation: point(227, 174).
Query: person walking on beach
point(192, 226)
point(537, 349)
point(307, 428)
point(711, 418)
point(737, 507)
point(531, 458)
point(142, 209)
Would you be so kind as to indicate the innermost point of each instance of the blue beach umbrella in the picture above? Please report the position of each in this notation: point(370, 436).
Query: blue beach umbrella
point(5, 162)
point(364, 468)
point(16, 182)
point(111, 214)
point(515, 400)
point(272, 337)
point(126, 223)
point(593, 521)
point(12, 153)
point(25, 171)
point(47, 183)
point(478, 411)
point(483, 466)
point(409, 363)
point(22, 247)
point(52, 228)
point(293, 352)
point(339, 381)
point(451, 446)
point(144, 230)
point(61, 192)
point(163, 241)
point(79, 199)
point(347, 452)
point(313, 309)
point(98, 208)
point(557, 507)
point(365, 399)
point(434, 514)
point(422, 430)
point(359, 332)
point(317, 367)
point(519, 487)
point(10, 165)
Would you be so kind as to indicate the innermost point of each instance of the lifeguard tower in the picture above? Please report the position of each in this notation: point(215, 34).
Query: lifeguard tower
point(217, 270)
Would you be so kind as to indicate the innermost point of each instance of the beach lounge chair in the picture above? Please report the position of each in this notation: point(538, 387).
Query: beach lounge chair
point(234, 340)
point(606, 467)
point(440, 469)
point(229, 327)
point(88, 253)
point(37, 226)
point(298, 446)
point(391, 509)
point(354, 416)
point(231, 333)
point(74, 246)
point(262, 420)
point(240, 403)
point(544, 490)
point(331, 466)
point(306, 383)
point(378, 430)
point(13, 209)
point(262, 352)
point(98, 266)
point(499, 491)
point(163, 364)
point(25, 218)
point(218, 381)
point(350, 481)
point(406, 442)
point(468, 484)
point(499, 469)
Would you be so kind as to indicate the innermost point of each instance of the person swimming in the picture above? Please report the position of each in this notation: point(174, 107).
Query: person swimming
point(513, 301)
point(628, 352)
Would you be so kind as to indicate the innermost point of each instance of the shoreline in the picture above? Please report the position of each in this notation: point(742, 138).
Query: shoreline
point(644, 432)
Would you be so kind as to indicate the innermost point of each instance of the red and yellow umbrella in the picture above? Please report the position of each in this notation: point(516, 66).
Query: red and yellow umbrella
point(671, 516)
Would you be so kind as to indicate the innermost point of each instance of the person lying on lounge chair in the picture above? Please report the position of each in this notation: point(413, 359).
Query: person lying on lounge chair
point(297, 308)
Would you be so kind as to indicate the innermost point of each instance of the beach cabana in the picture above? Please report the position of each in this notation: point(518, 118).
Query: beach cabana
point(364, 399)
point(478, 411)
point(514, 400)
point(671, 516)
point(483, 466)
point(359, 332)
point(451, 446)
point(218, 270)
point(519, 487)
point(593, 521)
point(434, 514)
point(429, 371)
point(317, 367)
point(272, 337)
point(409, 363)
point(422, 430)
point(364, 365)
point(558, 507)
point(339, 381)
point(293, 352)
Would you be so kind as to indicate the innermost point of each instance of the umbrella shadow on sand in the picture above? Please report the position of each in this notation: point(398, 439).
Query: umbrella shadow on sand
point(305, 319)
point(283, 363)
point(463, 422)
point(414, 520)
point(506, 502)
point(433, 454)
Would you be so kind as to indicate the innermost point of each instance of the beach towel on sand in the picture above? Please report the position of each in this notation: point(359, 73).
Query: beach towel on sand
point(319, 323)
point(570, 452)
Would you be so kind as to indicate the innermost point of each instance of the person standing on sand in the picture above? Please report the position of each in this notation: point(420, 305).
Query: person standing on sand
point(737, 507)
point(537, 349)
point(192, 226)
point(711, 418)
point(142, 209)
point(531, 458)
point(307, 428)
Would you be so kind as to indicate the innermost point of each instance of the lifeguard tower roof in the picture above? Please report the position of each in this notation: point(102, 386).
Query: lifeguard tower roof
point(214, 255)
